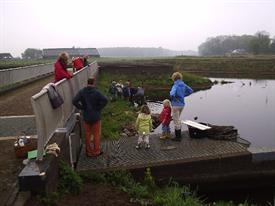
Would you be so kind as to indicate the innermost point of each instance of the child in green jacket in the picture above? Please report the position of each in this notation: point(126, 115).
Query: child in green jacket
point(144, 126)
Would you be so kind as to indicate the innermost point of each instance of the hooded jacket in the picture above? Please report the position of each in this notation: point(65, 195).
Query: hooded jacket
point(78, 63)
point(165, 115)
point(91, 101)
point(144, 123)
point(178, 92)
point(60, 71)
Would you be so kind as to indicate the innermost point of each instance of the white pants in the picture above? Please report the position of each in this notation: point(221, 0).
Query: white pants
point(176, 112)
point(143, 138)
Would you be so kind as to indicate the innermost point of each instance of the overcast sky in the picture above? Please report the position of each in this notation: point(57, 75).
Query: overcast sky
point(171, 24)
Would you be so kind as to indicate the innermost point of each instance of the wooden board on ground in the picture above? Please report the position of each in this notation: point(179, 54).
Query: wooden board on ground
point(170, 147)
point(195, 124)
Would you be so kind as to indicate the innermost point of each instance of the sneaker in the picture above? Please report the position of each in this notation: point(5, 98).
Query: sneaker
point(138, 146)
point(147, 146)
point(162, 136)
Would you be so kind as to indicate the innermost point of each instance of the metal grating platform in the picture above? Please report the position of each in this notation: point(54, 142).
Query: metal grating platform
point(122, 154)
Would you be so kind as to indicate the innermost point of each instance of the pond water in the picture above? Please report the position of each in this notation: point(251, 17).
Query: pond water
point(247, 104)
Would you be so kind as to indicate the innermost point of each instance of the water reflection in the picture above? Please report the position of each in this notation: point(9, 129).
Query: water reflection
point(247, 104)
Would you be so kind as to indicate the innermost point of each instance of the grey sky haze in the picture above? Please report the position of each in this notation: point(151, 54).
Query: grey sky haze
point(172, 24)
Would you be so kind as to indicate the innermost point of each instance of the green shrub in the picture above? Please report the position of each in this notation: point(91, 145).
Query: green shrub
point(176, 196)
point(49, 200)
point(149, 180)
point(137, 190)
point(120, 178)
point(69, 181)
point(114, 117)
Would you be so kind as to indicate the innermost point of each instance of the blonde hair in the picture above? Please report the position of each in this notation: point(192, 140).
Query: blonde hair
point(176, 76)
point(145, 109)
point(64, 57)
point(166, 102)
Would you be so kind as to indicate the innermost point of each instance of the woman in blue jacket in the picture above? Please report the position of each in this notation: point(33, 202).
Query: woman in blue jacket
point(178, 92)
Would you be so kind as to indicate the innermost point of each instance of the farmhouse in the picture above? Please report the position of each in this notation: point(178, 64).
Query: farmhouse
point(73, 52)
point(5, 56)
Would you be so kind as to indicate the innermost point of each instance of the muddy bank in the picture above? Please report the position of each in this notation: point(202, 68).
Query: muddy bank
point(133, 69)
point(154, 78)
point(246, 67)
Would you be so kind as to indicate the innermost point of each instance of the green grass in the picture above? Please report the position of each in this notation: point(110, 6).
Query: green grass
point(115, 116)
point(244, 67)
point(6, 64)
point(69, 181)
point(176, 195)
point(118, 114)
point(171, 194)
point(162, 80)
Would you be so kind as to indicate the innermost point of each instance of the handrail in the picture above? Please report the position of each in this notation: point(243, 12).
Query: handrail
point(48, 120)
point(19, 74)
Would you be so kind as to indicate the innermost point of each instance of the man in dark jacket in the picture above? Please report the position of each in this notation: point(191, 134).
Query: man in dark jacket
point(91, 101)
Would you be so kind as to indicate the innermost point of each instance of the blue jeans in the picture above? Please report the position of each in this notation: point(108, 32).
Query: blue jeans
point(165, 128)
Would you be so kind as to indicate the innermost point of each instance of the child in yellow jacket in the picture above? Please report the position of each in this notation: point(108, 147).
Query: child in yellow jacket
point(144, 126)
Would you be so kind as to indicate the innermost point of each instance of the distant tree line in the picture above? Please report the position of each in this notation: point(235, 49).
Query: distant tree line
point(260, 43)
point(32, 54)
point(139, 52)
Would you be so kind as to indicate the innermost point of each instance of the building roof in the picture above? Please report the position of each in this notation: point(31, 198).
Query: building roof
point(5, 56)
point(71, 51)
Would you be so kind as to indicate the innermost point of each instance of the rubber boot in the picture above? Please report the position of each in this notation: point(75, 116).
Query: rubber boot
point(177, 135)
point(168, 135)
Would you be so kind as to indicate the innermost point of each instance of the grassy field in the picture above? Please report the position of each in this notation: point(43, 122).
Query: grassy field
point(6, 64)
point(236, 67)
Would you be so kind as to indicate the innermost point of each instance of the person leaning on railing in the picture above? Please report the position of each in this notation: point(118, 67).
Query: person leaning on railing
point(79, 62)
point(60, 67)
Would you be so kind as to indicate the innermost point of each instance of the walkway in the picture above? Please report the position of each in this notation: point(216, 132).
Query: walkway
point(122, 154)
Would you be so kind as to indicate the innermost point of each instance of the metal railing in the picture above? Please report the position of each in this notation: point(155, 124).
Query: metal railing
point(48, 120)
point(15, 75)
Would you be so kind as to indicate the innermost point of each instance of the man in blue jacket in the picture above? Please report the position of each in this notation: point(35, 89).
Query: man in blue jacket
point(91, 101)
point(178, 92)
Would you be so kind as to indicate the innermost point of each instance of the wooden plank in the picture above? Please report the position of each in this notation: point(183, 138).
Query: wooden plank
point(196, 125)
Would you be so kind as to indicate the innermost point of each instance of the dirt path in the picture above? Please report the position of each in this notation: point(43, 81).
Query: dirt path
point(10, 167)
point(17, 102)
point(94, 195)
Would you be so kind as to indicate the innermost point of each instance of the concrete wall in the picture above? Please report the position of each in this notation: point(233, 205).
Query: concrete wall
point(20, 74)
point(16, 125)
